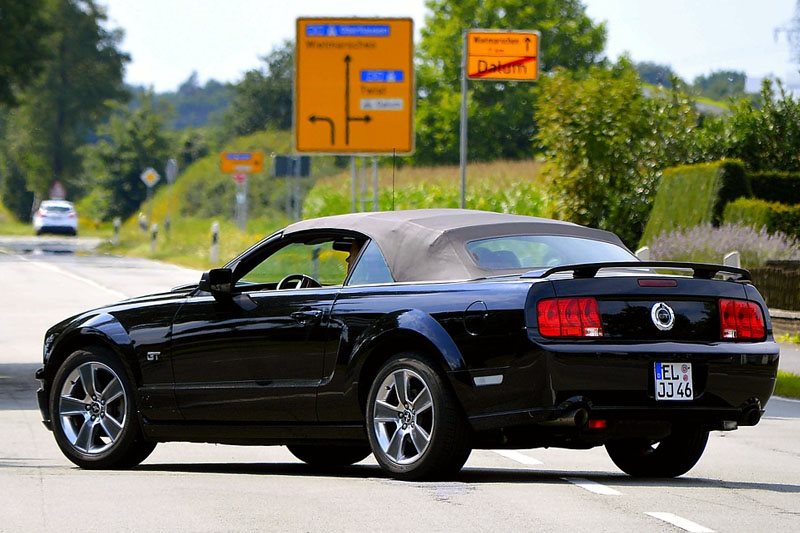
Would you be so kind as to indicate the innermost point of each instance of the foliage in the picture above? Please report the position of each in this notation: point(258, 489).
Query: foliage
point(655, 73)
point(690, 195)
point(764, 137)
point(773, 186)
point(263, 99)
point(500, 117)
point(196, 105)
point(61, 106)
point(760, 213)
point(23, 48)
point(721, 84)
point(705, 243)
point(787, 385)
point(130, 142)
point(504, 186)
point(14, 192)
point(608, 143)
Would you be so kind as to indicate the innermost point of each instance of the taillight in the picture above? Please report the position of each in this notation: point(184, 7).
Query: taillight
point(569, 317)
point(71, 214)
point(740, 319)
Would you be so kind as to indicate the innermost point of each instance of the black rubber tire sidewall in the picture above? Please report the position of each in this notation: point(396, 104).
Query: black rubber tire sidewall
point(449, 446)
point(675, 455)
point(130, 448)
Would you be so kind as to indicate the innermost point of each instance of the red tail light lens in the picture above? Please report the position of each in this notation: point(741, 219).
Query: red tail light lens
point(569, 317)
point(740, 319)
point(71, 214)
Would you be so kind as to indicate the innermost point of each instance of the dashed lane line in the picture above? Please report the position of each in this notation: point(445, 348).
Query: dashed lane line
point(518, 457)
point(592, 486)
point(677, 521)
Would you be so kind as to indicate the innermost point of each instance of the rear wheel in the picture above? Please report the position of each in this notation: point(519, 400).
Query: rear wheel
point(671, 457)
point(94, 416)
point(415, 426)
point(323, 455)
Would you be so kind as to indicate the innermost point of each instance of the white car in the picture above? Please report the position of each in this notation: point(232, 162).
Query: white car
point(56, 216)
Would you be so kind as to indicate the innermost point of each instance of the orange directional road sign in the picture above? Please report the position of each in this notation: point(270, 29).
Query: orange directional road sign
point(503, 55)
point(241, 162)
point(354, 86)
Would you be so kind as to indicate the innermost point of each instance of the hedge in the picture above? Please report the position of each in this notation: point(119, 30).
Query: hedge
point(774, 186)
point(760, 213)
point(691, 195)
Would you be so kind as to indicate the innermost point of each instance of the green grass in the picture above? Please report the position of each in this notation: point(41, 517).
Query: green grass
point(788, 385)
point(789, 337)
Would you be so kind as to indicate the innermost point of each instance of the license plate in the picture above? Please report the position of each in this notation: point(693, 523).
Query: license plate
point(674, 381)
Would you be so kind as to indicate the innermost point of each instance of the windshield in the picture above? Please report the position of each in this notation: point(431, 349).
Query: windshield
point(527, 252)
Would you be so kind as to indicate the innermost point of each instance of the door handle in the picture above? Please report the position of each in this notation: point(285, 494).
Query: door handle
point(307, 316)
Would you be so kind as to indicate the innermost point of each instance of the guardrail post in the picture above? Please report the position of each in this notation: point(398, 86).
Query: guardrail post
point(117, 226)
point(153, 237)
point(214, 243)
point(732, 259)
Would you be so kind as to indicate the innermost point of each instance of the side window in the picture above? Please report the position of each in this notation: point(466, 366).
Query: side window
point(370, 268)
point(319, 261)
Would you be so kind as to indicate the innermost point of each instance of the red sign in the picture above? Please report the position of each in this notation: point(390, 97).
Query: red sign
point(240, 178)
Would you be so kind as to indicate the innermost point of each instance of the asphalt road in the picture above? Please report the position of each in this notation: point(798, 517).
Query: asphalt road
point(748, 480)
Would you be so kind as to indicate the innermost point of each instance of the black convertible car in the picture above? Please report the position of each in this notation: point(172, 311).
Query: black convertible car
point(418, 336)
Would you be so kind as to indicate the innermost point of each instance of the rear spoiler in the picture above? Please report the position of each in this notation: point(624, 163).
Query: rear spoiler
point(589, 270)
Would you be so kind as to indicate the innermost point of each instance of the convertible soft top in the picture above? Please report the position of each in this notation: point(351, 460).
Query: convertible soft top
point(429, 244)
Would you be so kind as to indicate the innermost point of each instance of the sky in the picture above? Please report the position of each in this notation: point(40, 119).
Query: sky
point(221, 40)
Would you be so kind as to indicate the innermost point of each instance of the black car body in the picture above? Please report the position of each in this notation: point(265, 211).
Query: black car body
point(570, 343)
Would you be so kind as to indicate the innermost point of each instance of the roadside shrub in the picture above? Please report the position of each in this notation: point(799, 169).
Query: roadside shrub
point(776, 217)
point(774, 186)
point(708, 244)
point(690, 195)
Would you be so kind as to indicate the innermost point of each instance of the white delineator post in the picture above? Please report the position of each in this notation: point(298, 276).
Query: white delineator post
point(214, 253)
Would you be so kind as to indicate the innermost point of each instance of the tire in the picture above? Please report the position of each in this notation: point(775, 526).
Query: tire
point(329, 456)
point(94, 414)
point(673, 456)
point(422, 436)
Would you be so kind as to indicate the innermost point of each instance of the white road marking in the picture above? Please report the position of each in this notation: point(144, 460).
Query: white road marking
point(518, 457)
point(53, 268)
point(592, 486)
point(677, 521)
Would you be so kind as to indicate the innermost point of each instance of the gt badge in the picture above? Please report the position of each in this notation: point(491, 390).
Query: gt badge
point(663, 316)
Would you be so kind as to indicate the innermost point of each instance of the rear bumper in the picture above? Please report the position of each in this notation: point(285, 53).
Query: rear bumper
point(732, 382)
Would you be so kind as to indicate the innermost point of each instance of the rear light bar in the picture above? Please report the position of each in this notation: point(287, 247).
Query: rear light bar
point(569, 317)
point(741, 320)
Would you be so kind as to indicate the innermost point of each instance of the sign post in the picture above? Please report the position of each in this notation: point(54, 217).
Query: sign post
point(150, 177)
point(494, 55)
point(240, 164)
point(354, 86)
point(171, 171)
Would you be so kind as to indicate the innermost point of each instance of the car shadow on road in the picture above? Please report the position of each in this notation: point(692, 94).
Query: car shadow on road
point(469, 475)
point(18, 386)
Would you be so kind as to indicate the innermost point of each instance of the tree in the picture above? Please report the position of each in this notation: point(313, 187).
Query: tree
point(263, 98)
point(62, 106)
point(655, 74)
point(23, 45)
point(607, 143)
point(721, 85)
point(500, 114)
point(131, 141)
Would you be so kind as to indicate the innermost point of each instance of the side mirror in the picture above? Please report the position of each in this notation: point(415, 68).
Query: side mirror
point(217, 281)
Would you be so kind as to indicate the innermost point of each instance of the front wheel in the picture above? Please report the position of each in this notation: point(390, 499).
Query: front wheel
point(415, 426)
point(94, 416)
point(673, 456)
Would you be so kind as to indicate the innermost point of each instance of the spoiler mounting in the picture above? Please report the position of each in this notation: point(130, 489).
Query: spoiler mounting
point(589, 270)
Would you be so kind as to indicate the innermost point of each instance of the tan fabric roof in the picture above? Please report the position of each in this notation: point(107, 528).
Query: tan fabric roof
point(429, 244)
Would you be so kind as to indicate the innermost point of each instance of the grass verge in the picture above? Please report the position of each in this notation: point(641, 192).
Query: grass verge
point(788, 385)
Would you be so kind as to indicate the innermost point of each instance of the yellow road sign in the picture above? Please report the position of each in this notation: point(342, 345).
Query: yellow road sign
point(150, 177)
point(354, 85)
point(241, 162)
point(503, 55)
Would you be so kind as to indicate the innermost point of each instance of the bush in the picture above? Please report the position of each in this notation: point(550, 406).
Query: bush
point(773, 216)
point(708, 244)
point(774, 186)
point(691, 195)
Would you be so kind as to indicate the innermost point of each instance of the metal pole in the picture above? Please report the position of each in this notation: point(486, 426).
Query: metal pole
point(375, 206)
point(354, 176)
point(463, 140)
point(296, 189)
point(363, 184)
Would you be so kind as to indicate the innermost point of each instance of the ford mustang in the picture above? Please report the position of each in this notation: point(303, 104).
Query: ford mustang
point(418, 336)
